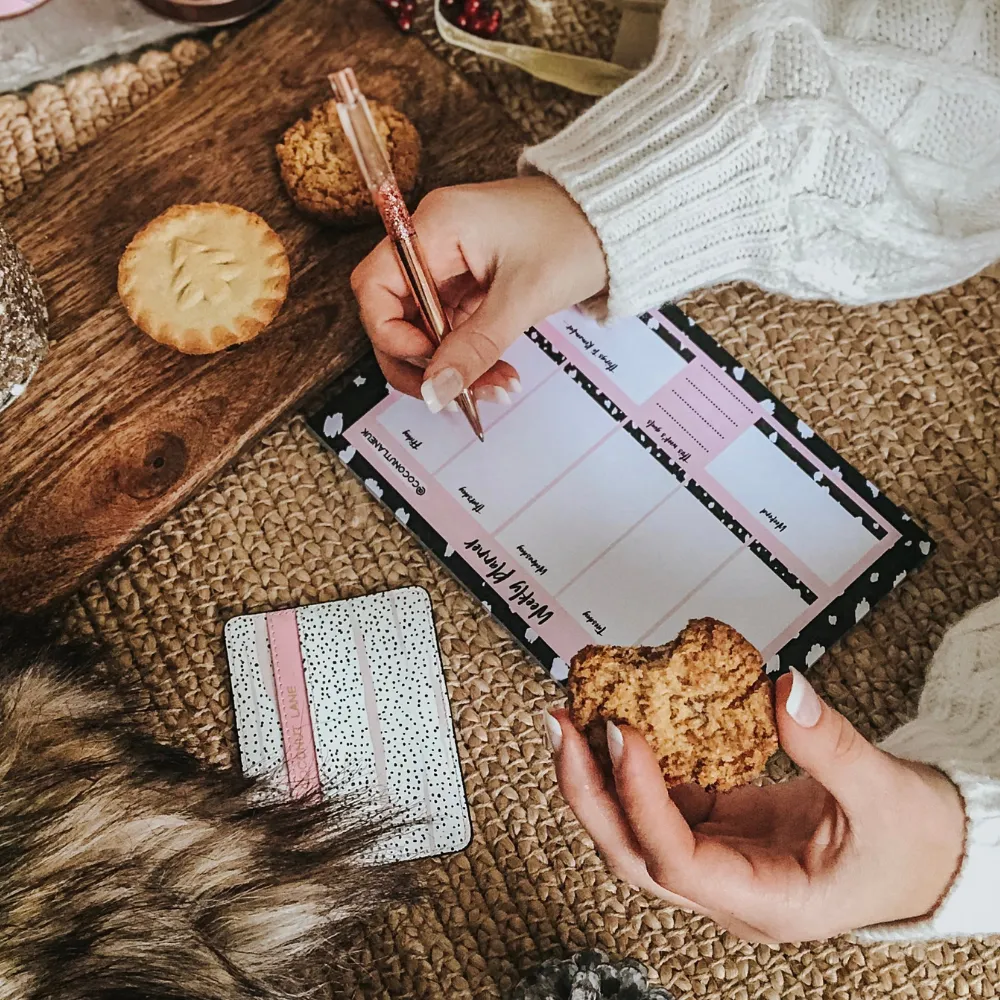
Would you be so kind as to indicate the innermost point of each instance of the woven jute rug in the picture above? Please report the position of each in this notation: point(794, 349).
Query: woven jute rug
point(909, 392)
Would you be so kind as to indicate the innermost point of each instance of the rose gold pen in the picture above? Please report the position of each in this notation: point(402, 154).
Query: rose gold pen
point(359, 127)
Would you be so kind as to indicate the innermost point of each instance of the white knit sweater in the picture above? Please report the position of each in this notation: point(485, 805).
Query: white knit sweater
point(844, 149)
point(958, 730)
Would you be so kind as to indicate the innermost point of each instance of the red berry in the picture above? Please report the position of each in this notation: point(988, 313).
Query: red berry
point(479, 24)
point(495, 18)
point(404, 24)
point(448, 4)
point(407, 8)
point(393, 5)
point(461, 22)
point(471, 8)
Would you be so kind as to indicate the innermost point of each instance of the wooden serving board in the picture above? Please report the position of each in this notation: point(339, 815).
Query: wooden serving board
point(115, 430)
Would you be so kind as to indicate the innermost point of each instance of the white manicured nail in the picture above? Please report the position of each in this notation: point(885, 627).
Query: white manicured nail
point(616, 743)
point(554, 730)
point(803, 704)
point(439, 390)
point(452, 407)
point(492, 394)
point(514, 386)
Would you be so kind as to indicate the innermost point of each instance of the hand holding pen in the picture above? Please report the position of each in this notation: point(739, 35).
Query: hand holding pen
point(359, 127)
point(504, 255)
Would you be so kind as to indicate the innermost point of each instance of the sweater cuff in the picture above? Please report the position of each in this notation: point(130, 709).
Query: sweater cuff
point(677, 179)
point(969, 908)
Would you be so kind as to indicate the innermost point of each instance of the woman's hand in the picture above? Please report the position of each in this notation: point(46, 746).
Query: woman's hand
point(504, 255)
point(866, 839)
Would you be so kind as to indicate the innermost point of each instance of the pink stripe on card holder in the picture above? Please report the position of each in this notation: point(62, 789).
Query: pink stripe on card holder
point(293, 704)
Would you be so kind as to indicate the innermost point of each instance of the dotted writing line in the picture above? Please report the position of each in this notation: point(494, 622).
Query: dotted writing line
point(712, 375)
point(706, 422)
point(683, 428)
point(711, 401)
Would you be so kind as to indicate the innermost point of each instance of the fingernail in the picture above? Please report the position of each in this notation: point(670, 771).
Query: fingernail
point(554, 730)
point(616, 744)
point(439, 390)
point(492, 394)
point(803, 704)
point(452, 407)
point(513, 386)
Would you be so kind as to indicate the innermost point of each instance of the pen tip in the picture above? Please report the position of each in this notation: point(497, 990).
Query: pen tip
point(471, 411)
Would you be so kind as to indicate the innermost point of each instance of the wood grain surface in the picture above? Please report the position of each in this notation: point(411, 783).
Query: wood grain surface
point(115, 430)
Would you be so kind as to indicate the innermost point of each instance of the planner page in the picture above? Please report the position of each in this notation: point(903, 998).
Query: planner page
point(640, 479)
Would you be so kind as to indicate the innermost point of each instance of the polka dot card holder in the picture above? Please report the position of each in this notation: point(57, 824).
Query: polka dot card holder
point(348, 698)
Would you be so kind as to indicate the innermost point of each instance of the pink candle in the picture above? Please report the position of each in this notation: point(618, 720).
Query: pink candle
point(206, 12)
point(11, 8)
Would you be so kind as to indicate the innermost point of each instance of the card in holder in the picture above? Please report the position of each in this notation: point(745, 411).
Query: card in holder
point(349, 698)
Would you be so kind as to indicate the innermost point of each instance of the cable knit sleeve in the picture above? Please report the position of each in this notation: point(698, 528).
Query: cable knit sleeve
point(839, 150)
point(958, 731)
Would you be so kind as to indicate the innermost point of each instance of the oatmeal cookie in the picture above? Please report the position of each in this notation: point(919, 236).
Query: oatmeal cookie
point(703, 703)
point(321, 174)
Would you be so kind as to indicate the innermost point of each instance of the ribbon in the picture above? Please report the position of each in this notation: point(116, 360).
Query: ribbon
point(293, 704)
point(582, 74)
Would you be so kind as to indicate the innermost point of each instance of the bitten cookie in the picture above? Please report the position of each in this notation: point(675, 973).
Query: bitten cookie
point(201, 278)
point(703, 702)
point(321, 173)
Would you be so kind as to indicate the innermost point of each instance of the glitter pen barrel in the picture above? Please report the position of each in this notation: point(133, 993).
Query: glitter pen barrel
point(359, 127)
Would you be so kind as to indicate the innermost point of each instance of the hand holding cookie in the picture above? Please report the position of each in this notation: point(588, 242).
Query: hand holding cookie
point(866, 839)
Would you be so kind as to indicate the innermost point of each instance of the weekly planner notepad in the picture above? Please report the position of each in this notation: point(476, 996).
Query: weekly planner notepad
point(640, 479)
